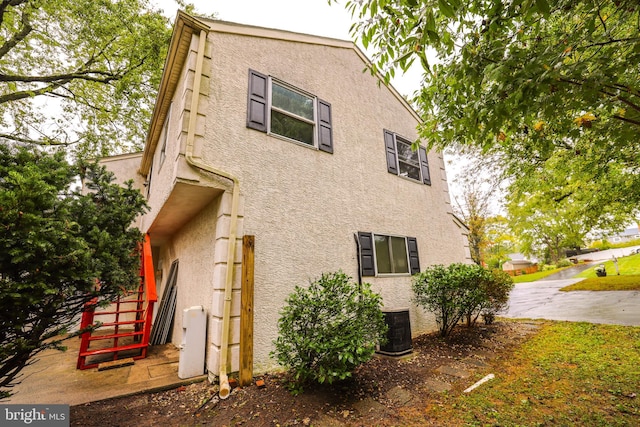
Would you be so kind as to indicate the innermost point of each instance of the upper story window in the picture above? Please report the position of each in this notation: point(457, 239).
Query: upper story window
point(403, 161)
point(383, 254)
point(280, 109)
point(292, 114)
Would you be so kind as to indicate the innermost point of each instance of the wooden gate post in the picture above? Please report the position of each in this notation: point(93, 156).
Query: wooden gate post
point(246, 312)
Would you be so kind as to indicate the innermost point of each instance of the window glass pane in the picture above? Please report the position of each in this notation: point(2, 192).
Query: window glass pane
point(383, 258)
point(284, 125)
point(406, 154)
point(292, 101)
point(399, 255)
point(408, 160)
point(391, 254)
point(409, 171)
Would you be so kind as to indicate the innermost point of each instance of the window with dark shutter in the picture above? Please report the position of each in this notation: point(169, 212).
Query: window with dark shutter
point(366, 254)
point(403, 161)
point(383, 255)
point(285, 111)
point(390, 148)
point(325, 132)
point(414, 259)
point(424, 166)
point(257, 102)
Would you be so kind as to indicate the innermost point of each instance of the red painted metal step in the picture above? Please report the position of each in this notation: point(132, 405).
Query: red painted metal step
point(118, 335)
point(126, 325)
point(112, 350)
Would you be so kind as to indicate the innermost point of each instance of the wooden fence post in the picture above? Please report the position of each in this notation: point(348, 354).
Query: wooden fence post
point(246, 312)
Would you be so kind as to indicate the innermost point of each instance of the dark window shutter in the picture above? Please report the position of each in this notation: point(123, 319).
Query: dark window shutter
point(366, 254)
point(325, 130)
point(390, 148)
point(424, 166)
point(257, 101)
point(414, 259)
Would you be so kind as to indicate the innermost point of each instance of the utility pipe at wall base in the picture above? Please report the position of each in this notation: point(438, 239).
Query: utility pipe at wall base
point(225, 389)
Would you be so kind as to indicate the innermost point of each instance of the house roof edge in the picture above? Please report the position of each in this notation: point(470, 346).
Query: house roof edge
point(184, 27)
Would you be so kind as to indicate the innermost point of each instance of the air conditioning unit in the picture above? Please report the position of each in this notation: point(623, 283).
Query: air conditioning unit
point(398, 334)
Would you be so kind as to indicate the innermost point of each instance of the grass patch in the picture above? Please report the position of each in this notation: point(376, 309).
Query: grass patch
point(629, 265)
point(608, 283)
point(536, 276)
point(568, 374)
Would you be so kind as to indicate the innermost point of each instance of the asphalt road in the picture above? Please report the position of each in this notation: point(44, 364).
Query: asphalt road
point(569, 272)
point(544, 300)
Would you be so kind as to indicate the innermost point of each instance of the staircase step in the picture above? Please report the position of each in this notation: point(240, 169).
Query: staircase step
point(111, 349)
point(128, 322)
point(116, 312)
point(111, 336)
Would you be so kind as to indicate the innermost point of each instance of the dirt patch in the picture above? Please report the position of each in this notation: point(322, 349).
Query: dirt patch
point(381, 392)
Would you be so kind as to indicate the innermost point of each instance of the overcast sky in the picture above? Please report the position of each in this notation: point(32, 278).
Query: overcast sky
point(303, 16)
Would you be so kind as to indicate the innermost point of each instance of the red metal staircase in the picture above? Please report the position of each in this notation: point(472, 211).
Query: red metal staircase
point(127, 326)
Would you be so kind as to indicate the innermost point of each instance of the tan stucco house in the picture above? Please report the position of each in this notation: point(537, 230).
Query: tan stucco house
point(282, 136)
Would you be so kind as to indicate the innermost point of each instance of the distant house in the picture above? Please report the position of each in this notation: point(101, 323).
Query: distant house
point(628, 234)
point(281, 136)
point(519, 266)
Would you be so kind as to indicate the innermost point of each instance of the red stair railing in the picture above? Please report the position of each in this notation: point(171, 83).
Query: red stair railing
point(119, 330)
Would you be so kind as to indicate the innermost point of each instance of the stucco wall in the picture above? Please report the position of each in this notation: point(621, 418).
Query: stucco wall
point(163, 173)
point(125, 167)
point(193, 247)
point(303, 205)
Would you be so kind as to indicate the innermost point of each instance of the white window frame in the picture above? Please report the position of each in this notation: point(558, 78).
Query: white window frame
point(399, 139)
point(271, 108)
point(406, 253)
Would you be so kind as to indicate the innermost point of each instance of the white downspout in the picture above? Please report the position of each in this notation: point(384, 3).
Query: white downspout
point(228, 286)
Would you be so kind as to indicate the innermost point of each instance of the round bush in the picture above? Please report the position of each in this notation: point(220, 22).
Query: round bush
point(329, 328)
point(458, 290)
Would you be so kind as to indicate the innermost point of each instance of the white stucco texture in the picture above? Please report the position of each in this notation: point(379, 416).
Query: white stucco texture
point(303, 205)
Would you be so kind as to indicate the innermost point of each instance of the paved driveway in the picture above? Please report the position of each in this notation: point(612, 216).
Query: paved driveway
point(544, 300)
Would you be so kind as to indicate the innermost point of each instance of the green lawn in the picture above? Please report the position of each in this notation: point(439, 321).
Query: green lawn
point(629, 265)
point(568, 374)
point(628, 280)
point(535, 276)
point(608, 283)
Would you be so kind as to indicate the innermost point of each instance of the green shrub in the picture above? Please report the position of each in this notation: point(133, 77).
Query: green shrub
point(564, 263)
point(496, 288)
point(449, 292)
point(602, 245)
point(326, 330)
point(493, 262)
point(461, 291)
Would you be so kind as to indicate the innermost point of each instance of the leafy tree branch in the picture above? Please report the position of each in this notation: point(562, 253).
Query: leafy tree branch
point(100, 60)
point(550, 87)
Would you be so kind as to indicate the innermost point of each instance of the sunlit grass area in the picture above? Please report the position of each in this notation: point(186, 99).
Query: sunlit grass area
point(568, 374)
point(608, 283)
point(628, 266)
point(535, 276)
point(629, 278)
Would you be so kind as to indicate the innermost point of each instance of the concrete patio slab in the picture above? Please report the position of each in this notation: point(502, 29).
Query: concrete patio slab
point(54, 379)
